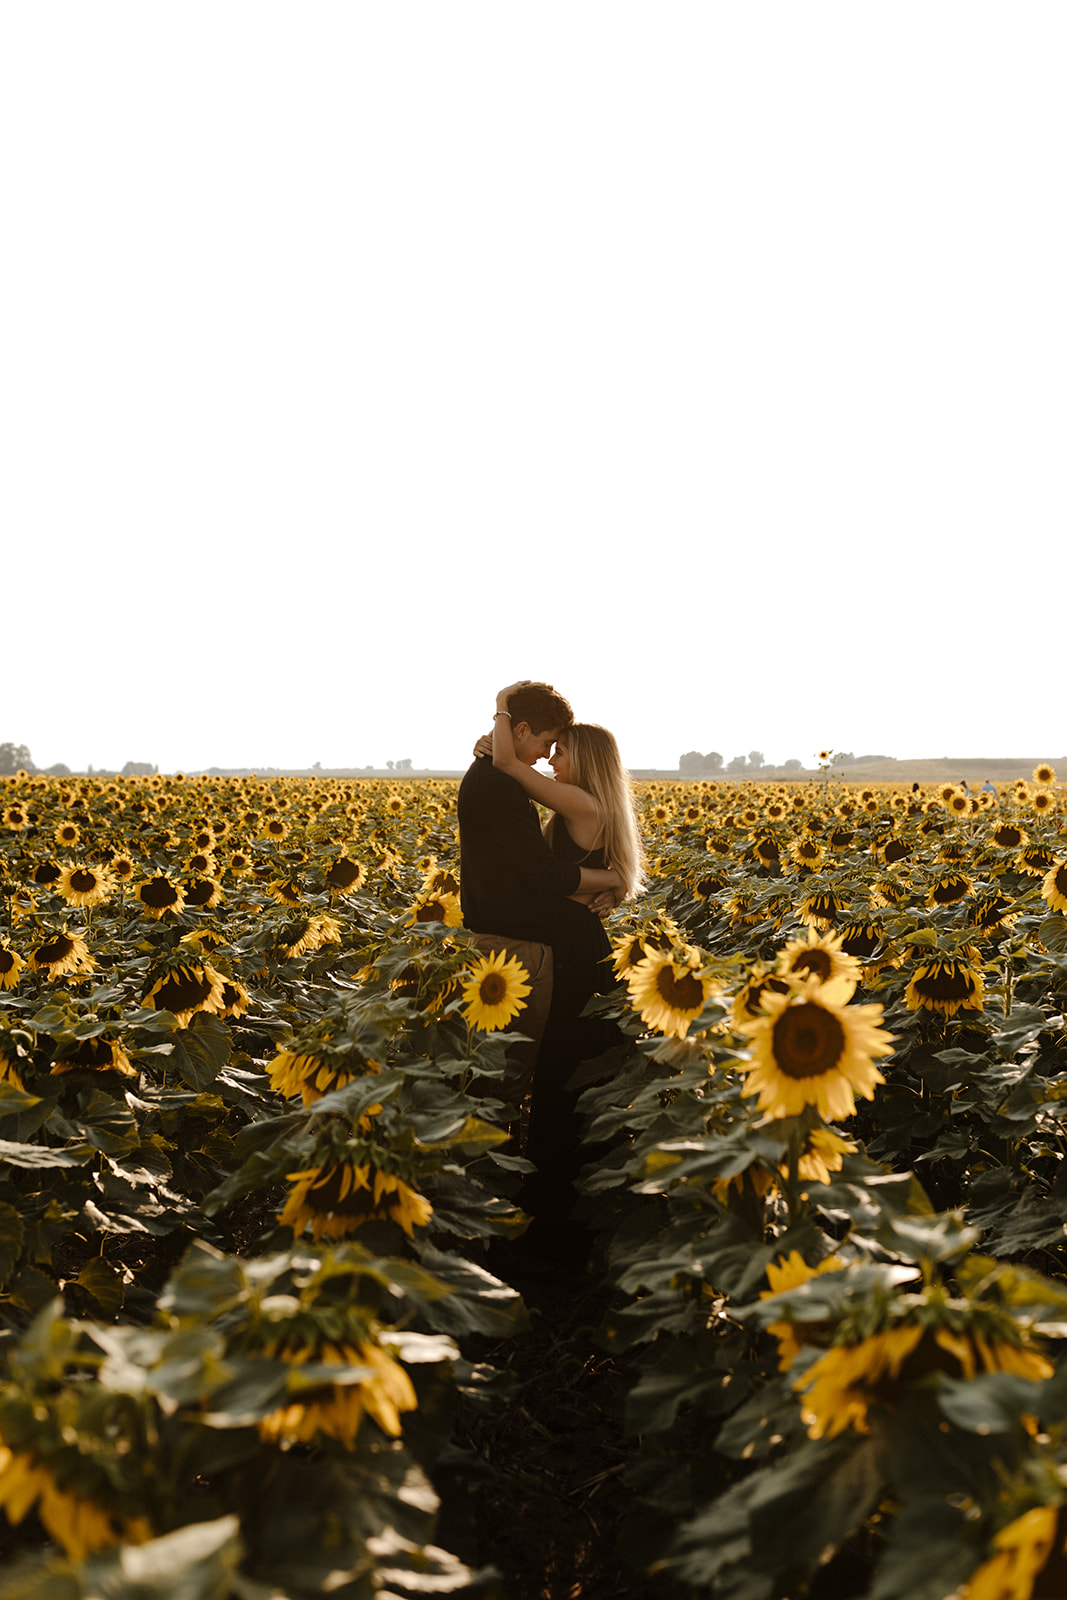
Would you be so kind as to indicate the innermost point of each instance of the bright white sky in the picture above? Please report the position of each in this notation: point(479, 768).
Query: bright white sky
point(707, 360)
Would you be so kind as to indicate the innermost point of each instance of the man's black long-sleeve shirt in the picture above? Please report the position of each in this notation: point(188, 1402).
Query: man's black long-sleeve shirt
point(510, 881)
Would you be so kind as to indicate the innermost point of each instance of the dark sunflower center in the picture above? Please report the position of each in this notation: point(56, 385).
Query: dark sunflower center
point(945, 982)
point(93, 1053)
point(159, 893)
point(182, 990)
point(1059, 882)
point(681, 994)
point(896, 850)
point(83, 882)
point(861, 941)
point(949, 890)
point(808, 1041)
point(432, 911)
point(756, 993)
point(199, 891)
point(492, 989)
point(7, 960)
point(54, 950)
point(1008, 838)
point(47, 872)
point(817, 962)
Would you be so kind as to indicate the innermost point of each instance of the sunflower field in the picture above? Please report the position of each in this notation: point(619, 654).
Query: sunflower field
point(258, 1193)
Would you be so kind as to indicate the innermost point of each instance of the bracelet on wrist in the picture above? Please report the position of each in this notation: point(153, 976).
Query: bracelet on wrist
point(502, 714)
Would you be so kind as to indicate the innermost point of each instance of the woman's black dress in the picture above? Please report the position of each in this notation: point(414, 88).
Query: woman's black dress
point(581, 968)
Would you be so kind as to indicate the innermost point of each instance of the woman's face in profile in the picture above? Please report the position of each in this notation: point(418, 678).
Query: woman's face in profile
point(560, 762)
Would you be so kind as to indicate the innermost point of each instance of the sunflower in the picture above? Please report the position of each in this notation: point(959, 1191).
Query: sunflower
point(22, 904)
point(822, 1152)
point(948, 889)
point(946, 984)
point(958, 804)
point(860, 939)
point(159, 895)
point(84, 886)
point(1021, 1551)
point(201, 864)
point(276, 829)
point(669, 990)
point(495, 992)
point(436, 908)
point(440, 880)
point(747, 1001)
point(96, 1055)
point(806, 852)
point(336, 1409)
point(1035, 861)
point(77, 1524)
point(809, 1048)
point(240, 863)
point(789, 1272)
point(67, 834)
point(11, 965)
point(895, 850)
point(122, 867)
point(186, 989)
point(820, 956)
point(840, 1385)
point(235, 999)
point(338, 1199)
point(9, 1072)
point(991, 913)
point(1043, 802)
point(63, 955)
point(1054, 886)
point(313, 1072)
point(1044, 774)
point(203, 894)
point(345, 876)
point(46, 873)
point(285, 891)
point(819, 910)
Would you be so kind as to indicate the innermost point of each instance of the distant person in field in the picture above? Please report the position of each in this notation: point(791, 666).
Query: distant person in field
point(512, 882)
point(592, 825)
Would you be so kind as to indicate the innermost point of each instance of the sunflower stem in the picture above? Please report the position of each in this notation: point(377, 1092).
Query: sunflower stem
point(792, 1182)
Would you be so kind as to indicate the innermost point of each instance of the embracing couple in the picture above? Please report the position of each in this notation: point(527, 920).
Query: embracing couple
point(540, 895)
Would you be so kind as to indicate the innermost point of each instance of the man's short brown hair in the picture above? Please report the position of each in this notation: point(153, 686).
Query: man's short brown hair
point(539, 705)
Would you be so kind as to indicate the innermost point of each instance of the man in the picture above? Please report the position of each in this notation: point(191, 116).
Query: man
point(510, 881)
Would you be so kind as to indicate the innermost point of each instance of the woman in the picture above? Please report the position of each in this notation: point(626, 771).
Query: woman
point(592, 823)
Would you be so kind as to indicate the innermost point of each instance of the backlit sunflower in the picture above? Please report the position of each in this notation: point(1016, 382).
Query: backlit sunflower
point(946, 984)
point(822, 1152)
point(747, 1001)
point(440, 880)
point(96, 1055)
point(948, 889)
point(77, 1524)
point(338, 1199)
point(235, 999)
point(669, 989)
point(811, 1049)
point(1044, 774)
point(1020, 1552)
point(64, 955)
point(991, 913)
point(11, 964)
point(285, 891)
point(312, 1073)
point(838, 1388)
point(1009, 836)
point(184, 990)
point(495, 991)
point(820, 910)
point(820, 956)
point(46, 873)
point(202, 894)
point(345, 876)
point(337, 1409)
point(1054, 886)
point(1035, 861)
point(806, 852)
point(159, 895)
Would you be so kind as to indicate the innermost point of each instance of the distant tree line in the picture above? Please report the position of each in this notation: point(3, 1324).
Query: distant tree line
point(693, 763)
point(17, 758)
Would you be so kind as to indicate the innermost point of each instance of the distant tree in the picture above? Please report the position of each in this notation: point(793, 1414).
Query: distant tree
point(738, 764)
point(138, 769)
point(793, 765)
point(692, 761)
point(405, 765)
point(389, 766)
point(755, 759)
point(15, 758)
point(713, 761)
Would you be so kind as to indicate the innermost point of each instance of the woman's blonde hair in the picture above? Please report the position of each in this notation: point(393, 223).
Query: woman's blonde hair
point(596, 767)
